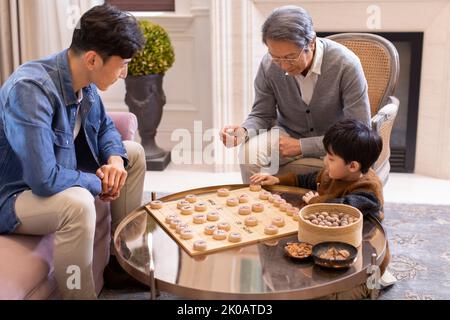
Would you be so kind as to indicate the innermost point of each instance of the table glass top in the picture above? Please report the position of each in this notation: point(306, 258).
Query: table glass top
point(258, 270)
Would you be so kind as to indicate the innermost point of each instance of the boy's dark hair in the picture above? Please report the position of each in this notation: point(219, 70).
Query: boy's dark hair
point(108, 31)
point(352, 140)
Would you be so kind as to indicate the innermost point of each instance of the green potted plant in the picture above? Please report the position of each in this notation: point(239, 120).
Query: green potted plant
point(144, 89)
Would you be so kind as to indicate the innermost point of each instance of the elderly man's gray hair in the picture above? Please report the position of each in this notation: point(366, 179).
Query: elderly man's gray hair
point(289, 23)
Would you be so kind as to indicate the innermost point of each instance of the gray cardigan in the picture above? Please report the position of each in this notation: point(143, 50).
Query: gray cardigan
point(340, 92)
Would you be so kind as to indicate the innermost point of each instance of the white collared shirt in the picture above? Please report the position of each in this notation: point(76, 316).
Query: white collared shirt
point(308, 83)
point(77, 127)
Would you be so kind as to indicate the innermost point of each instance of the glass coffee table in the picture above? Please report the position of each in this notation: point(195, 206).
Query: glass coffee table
point(255, 271)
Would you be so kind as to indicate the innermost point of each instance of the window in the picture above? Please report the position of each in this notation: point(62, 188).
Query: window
point(144, 5)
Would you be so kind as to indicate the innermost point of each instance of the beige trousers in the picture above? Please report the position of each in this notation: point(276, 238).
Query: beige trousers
point(71, 215)
point(260, 154)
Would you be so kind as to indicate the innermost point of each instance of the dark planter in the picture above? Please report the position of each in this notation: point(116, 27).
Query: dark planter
point(145, 98)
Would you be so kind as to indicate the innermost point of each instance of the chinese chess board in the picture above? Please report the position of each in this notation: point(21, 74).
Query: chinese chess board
point(227, 214)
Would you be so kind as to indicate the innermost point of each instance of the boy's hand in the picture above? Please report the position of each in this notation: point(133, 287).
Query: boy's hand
point(264, 179)
point(308, 196)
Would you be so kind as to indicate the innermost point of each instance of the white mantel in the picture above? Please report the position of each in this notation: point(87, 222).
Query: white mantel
point(237, 50)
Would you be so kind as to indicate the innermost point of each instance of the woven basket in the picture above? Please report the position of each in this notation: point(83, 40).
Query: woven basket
point(313, 234)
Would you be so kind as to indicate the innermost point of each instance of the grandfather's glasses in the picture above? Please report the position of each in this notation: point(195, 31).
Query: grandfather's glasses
point(289, 61)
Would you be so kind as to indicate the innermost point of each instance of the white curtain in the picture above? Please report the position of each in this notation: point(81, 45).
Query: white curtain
point(47, 25)
point(32, 29)
point(9, 38)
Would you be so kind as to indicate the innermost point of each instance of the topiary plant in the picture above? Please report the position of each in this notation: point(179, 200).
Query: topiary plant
point(157, 56)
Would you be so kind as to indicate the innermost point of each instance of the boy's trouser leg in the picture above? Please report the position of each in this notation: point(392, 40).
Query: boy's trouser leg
point(71, 216)
point(131, 193)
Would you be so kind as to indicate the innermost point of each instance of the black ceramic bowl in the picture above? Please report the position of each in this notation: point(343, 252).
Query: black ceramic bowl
point(335, 255)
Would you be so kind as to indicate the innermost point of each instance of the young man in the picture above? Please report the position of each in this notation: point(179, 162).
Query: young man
point(352, 148)
point(59, 149)
point(304, 85)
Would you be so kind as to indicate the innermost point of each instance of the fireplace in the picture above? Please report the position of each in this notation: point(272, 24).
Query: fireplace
point(404, 133)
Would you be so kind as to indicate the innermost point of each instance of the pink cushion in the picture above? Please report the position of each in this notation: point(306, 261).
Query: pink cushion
point(18, 252)
point(126, 123)
point(24, 263)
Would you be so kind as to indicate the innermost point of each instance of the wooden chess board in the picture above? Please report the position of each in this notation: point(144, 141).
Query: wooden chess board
point(228, 214)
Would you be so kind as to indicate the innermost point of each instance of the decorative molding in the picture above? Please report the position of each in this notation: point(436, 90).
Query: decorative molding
point(171, 22)
point(221, 71)
point(187, 84)
point(200, 11)
point(179, 83)
point(232, 61)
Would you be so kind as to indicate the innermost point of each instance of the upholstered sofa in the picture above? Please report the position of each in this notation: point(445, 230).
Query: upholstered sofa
point(26, 268)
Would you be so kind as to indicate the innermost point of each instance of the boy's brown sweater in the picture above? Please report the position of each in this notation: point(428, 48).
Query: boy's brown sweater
point(366, 193)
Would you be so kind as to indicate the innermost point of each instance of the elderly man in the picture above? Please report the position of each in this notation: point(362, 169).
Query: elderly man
point(304, 85)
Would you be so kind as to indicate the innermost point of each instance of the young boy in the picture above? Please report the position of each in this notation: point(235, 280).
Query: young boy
point(352, 148)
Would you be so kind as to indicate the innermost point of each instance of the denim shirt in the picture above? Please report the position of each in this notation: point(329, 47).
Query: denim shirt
point(38, 109)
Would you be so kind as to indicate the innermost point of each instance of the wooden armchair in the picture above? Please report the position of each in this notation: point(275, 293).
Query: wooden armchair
point(380, 62)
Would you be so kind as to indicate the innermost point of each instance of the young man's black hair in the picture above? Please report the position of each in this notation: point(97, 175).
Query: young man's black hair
point(108, 31)
point(353, 141)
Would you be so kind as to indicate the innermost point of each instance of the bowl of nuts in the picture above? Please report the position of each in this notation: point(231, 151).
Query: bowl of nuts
point(323, 222)
point(298, 250)
point(334, 255)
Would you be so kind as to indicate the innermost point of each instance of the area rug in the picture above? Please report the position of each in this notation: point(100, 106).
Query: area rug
point(419, 238)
